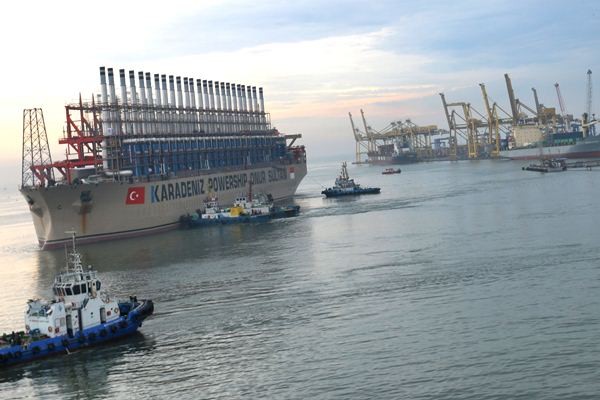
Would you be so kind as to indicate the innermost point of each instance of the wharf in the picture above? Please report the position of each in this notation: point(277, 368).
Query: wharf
point(583, 164)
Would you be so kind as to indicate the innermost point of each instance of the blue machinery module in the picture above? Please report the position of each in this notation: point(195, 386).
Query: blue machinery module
point(165, 155)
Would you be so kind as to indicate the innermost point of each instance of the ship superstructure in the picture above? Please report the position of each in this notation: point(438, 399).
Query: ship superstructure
point(138, 160)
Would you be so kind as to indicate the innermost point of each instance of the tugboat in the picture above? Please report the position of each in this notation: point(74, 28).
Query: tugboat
point(80, 315)
point(390, 171)
point(244, 209)
point(344, 186)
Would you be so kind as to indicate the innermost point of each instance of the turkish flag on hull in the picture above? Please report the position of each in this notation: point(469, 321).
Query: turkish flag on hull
point(135, 195)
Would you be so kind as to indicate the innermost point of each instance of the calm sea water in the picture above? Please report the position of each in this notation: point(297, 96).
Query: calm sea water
point(468, 280)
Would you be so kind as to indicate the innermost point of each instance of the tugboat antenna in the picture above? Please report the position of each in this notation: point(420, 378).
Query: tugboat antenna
point(72, 233)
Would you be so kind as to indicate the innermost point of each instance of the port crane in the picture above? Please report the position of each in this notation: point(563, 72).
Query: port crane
point(371, 142)
point(563, 107)
point(589, 119)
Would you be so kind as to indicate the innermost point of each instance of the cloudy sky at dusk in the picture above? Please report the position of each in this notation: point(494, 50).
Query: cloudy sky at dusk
point(316, 60)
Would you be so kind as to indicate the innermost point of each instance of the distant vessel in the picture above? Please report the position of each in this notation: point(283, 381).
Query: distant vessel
point(344, 186)
point(244, 209)
point(140, 160)
point(80, 315)
point(397, 153)
point(548, 165)
point(555, 145)
point(391, 171)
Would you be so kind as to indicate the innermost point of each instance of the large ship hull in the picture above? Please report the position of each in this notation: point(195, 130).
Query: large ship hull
point(583, 149)
point(111, 209)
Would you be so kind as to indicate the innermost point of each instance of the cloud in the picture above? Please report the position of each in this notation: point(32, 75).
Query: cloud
point(316, 60)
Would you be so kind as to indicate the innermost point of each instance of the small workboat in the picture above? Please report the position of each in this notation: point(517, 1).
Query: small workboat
point(390, 171)
point(81, 314)
point(548, 165)
point(245, 209)
point(344, 186)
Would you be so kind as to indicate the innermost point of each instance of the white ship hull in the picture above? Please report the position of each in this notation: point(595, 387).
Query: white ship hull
point(111, 210)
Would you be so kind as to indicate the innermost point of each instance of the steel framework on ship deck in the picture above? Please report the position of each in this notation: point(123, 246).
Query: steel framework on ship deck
point(36, 159)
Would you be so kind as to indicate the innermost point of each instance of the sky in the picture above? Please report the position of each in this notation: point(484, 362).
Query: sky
point(317, 60)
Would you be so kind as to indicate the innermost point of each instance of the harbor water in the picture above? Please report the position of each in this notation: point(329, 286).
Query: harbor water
point(464, 280)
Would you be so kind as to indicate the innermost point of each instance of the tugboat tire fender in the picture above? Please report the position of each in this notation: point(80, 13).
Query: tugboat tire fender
point(103, 332)
point(81, 339)
point(51, 346)
point(65, 343)
point(113, 329)
point(123, 324)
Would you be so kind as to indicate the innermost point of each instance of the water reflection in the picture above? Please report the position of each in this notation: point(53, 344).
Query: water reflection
point(86, 373)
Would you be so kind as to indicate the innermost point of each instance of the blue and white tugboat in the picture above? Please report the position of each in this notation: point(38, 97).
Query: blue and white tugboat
point(344, 186)
point(81, 314)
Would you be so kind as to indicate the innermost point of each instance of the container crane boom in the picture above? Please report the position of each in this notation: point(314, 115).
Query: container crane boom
point(561, 101)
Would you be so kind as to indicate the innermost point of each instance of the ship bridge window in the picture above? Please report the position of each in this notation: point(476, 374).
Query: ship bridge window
point(68, 290)
point(98, 285)
point(76, 289)
point(83, 288)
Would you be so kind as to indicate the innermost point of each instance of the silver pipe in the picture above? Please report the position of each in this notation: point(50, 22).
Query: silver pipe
point(217, 96)
point(179, 94)
point(179, 113)
point(134, 116)
point(142, 113)
point(123, 101)
point(250, 102)
point(263, 117)
point(113, 101)
point(151, 114)
point(207, 104)
point(255, 116)
point(255, 99)
point(172, 106)
point(159, 113)
point(165, 105)
point(200, 96)
point(261, 99)
point(193, 105)
point(105, 117)
point(228, 107)
point(211, 99)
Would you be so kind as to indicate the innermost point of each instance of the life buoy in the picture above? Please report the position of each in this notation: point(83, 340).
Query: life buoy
point(50, 329)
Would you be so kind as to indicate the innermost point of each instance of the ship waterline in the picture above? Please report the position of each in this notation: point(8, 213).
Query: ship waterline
point(112, 209)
